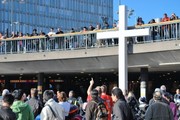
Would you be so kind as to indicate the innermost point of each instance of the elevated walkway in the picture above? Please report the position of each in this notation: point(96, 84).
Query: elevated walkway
point(82, 52)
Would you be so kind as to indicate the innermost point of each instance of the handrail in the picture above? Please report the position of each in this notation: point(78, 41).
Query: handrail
point(61, 35)
point(157, 24)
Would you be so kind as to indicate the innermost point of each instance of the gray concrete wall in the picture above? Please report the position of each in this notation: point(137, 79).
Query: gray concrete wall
point(156, 46)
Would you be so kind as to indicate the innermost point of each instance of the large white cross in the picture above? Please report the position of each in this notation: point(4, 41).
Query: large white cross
point(122, 33)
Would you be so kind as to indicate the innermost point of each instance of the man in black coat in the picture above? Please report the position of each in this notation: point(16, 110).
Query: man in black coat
point(6, 112)
point(158, 110)
point(121, 110)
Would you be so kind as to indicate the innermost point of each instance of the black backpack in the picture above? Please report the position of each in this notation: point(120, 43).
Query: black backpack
point(100, 112)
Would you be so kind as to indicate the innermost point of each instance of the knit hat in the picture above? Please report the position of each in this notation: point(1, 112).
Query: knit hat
point(142, 100)
point(5, 92)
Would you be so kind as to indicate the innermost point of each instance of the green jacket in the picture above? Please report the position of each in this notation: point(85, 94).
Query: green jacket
point(22, 110)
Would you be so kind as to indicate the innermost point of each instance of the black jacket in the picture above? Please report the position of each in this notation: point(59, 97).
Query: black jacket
point(6, 113)
point(121, 111)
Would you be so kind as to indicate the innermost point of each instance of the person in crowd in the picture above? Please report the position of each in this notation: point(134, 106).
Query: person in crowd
point(51, 110)
point(142, 107)
point(72, 100)
point(59, 31)
point(107, 100)
point(151, 101)
point(74, 113)
point(51, 33)
point(13, 34)
point(114, 25)
point(174, 26)
point(41, 33)
point(177, 96)
point(92, 39)
point(91, 105)
point(173, 17)
point(98, 88)
point(115, 40)
point(91, 28)
point(106, 25)
point(154, 30)
point(133, 103)
point(34, 33)
point(50, 40)
point(165, 29)
point(21, 43)
point(35, 42)
point(34, 102)
point(158, 110)
point(74, 39)
point(164, 91)
point(2, 43)
point(6, 112)
point(62, 98)
point(172, 105)
point(4, 92)
point(72, 30)
point(60, 41)
point(140, 22)
point(98, 27)
point(121, 109)
point(22, 110)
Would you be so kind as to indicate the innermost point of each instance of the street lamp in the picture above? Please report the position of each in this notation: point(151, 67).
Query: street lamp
point(12, 8)
point(132, 13)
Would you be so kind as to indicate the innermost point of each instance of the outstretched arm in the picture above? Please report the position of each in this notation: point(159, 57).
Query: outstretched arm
point(90, 86)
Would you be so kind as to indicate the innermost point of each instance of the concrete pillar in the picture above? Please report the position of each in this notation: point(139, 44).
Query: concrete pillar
point(144, 80)
point(7, 84)
point(40, 87)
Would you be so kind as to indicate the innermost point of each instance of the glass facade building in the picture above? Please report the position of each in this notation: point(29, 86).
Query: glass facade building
point(25, 15)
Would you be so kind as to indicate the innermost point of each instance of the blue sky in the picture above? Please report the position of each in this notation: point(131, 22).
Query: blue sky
point(148, 9)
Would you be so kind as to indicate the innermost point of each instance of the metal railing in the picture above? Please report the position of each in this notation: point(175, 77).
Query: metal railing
point(61, 42)
point(162, 31)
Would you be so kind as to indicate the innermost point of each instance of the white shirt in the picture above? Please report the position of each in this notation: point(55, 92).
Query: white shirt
point(46, 113)
point(66, 106)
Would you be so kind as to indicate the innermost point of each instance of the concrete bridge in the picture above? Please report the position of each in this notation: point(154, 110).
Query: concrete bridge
point(156, 56)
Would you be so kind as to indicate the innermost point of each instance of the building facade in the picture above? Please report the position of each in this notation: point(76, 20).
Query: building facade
point(25, 15)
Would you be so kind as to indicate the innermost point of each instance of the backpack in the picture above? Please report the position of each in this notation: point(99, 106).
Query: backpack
point(100, 112)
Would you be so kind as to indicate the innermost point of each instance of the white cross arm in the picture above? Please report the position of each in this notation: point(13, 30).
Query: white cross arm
point(126, 33)
point(107, 35)
point(136, 32)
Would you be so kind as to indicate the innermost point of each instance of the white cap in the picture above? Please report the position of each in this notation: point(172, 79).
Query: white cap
point(5, 92)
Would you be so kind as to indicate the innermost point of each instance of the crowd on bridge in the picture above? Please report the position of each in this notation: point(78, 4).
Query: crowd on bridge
point(98, 105)
point(50, 42)
point(162, 32)
point(165, 31)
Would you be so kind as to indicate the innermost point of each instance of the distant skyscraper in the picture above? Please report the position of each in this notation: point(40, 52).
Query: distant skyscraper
point(25, 15)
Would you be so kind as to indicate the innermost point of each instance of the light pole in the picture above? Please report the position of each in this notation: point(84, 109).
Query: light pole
point(11, 19)
point(12, 10)
point(132, 13)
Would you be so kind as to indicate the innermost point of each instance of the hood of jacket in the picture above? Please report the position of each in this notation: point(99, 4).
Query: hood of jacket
point(19, 106)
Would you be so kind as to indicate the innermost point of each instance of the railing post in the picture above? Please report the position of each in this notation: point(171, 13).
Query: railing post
point(5, 46)
point(24, 46)
point(40, 48)
point(86, 41)
point(176, 31)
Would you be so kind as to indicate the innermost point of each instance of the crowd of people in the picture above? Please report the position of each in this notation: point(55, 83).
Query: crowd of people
point(98, 105)
point(164, 31)
point(169, 31)
point(50, 42)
